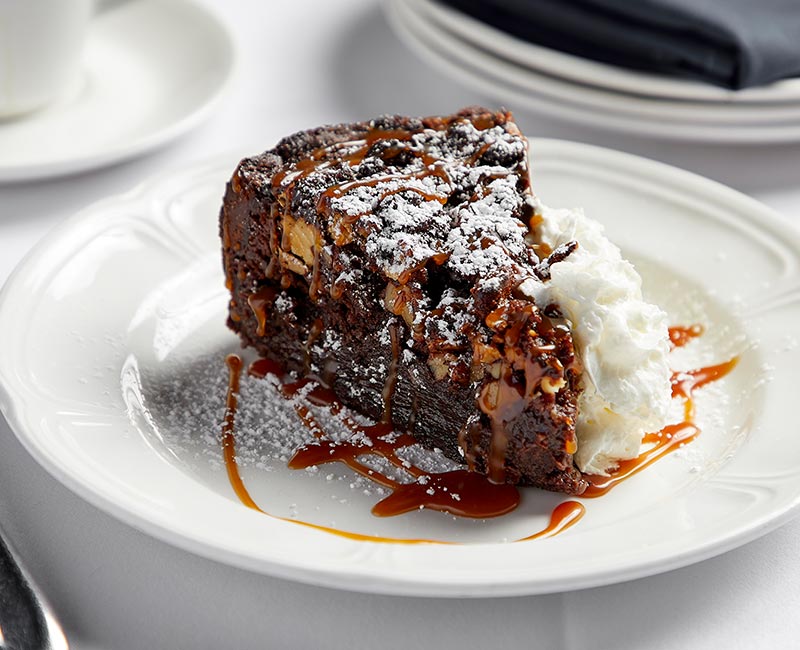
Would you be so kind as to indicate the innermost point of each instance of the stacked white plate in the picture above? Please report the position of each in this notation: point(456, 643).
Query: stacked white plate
point(522, 74)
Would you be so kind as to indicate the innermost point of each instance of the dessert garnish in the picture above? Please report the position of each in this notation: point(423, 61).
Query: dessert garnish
point(402, 270)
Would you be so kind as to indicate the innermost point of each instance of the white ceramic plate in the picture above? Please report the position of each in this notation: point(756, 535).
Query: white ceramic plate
point(602, 75)
point(521, 86)
point(112, 376)
point(152, 71)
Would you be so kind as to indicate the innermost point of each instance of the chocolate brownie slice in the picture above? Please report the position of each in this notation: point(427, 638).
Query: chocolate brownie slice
point(384, 258)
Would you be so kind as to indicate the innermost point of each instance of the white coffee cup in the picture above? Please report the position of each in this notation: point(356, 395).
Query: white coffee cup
point(41, 42)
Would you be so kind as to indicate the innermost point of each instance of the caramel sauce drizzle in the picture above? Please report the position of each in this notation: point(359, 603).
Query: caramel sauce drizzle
point(259, 302)
point(564, 515)
point(506, 398)
point(474, 496)
point(468, 430)
point(673, 436)
point(459, 492)
point(320, 159)
point(680, 335)
point(405, 497)
point(315, 284)
point(433, 167)
point(234, 363)
point(685, 383)
point(317, 327)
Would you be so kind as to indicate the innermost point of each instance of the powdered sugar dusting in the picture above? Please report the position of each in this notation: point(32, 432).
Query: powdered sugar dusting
point(189, 409)
point(451, 195)
point(406, 233)
point(453, 319)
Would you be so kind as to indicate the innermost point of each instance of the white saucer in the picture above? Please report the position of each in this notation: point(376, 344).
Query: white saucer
point(152, 71)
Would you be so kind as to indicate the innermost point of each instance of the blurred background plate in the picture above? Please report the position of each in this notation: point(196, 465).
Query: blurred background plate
point(153, 69)
point(516, 85)
point(596, 73)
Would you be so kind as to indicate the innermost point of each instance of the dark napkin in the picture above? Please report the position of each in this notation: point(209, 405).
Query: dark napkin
point(731, 43)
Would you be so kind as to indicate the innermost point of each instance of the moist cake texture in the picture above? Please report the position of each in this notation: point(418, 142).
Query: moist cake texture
point(385, 258)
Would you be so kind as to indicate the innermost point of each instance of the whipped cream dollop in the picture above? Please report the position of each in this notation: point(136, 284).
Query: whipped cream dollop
point(621, 340)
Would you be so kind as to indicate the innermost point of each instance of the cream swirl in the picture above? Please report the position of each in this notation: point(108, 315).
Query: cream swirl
point(621, 340)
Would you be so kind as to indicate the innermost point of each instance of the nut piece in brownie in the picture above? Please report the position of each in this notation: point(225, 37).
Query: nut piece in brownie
point(384, 258)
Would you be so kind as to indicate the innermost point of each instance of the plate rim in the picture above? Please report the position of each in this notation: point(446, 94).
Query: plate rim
point(391, 582)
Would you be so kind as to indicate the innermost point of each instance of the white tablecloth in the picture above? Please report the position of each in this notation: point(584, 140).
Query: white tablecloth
point(305, 63)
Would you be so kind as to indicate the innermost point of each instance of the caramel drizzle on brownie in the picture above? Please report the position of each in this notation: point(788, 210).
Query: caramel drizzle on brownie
point(283, 183)
point(259, 302)
point(319, 160)
point(526, 371)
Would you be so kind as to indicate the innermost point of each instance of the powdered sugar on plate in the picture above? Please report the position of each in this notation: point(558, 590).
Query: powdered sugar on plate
point(186, 412)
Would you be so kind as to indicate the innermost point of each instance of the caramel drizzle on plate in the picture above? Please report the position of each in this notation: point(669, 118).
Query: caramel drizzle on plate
point(565, 515)
point(476, 496)
point(680, 335)
point(404, 497)
point(673, 436)
point(458, 492)
point(234, 363)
